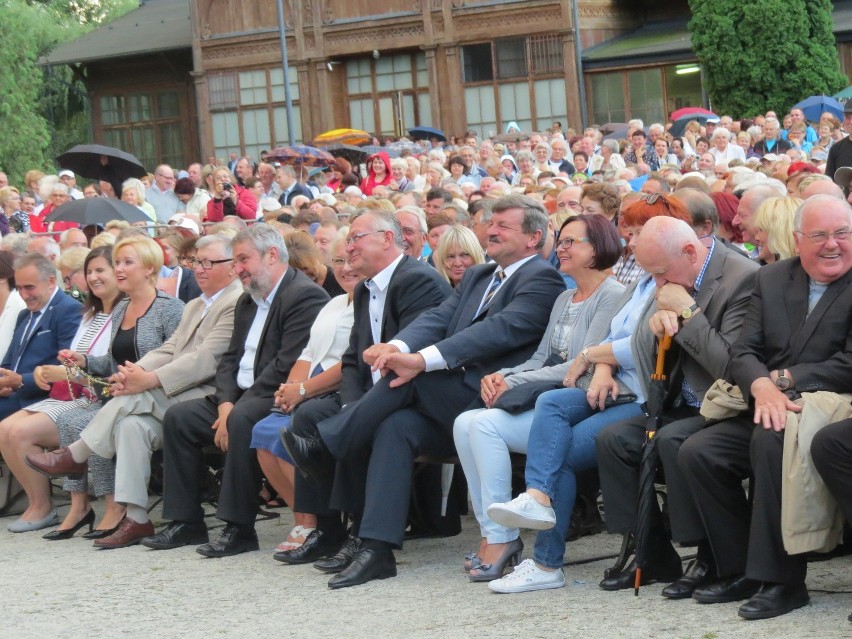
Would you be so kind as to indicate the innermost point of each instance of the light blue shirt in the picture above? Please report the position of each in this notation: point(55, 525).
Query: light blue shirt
point(621, 330)
point(246, 372)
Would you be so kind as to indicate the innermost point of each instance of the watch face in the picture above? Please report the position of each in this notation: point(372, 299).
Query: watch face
point(783, 383)
point(686, 313)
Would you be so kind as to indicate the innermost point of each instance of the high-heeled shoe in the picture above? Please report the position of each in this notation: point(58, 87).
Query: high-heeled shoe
point(67, 533)
point(100, 534)
point(471, 561)
point(510, 557)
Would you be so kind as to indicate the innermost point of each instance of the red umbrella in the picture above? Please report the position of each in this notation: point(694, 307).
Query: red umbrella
point(690, 111)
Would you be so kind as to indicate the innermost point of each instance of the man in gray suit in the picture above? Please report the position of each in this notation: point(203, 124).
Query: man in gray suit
point(130, 426)
point(431, 373)
point(702, 296)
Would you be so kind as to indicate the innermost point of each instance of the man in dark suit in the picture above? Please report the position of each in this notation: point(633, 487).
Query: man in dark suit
point(409, 287)
point(272, 321)
point(795, 338)
point(431, 372)
point(285, 176)
point(46, 326)
point(702, 296)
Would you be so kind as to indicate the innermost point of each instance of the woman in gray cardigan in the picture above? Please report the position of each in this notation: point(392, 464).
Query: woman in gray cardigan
point(587, 247)
point(141, 322)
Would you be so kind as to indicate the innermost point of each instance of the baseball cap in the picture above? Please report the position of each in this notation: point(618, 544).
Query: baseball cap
point(770, 157)
point(189, 225)
point(66, 173)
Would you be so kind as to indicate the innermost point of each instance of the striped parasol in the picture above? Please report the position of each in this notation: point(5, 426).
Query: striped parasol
point(343, 136)
point(301, 155)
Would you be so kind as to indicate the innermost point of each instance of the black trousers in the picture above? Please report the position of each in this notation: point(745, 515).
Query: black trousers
point(384, 432)
point(186, 431)
point(619, 450)
point(831, 451)
point(767, 559)
point(714, 462)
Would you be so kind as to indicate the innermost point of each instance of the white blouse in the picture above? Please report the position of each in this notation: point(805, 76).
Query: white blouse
point(330, 333)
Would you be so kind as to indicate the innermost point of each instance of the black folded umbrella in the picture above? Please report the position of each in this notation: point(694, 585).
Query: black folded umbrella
point(645, 510)
point(97, 210)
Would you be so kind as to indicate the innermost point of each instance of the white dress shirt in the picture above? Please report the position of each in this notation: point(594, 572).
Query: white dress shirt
point(245, 375)
point(378, 288)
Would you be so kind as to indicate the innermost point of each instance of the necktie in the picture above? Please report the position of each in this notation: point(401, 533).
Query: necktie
point(499, 276)
point(28, 331)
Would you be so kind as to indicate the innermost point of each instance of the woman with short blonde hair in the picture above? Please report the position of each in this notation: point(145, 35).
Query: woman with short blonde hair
point(772, 228)
point(457, 250)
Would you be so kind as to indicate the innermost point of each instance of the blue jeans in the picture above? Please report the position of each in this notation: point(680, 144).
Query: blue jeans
point(562, 443)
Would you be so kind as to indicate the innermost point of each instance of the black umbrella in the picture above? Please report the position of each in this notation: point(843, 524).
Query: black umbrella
point(427, 133)
point(97, 210)
point(352, 154)
point(647, 506)
point(96, 161)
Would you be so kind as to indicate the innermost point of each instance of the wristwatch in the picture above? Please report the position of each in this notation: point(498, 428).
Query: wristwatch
point(585, 355)
point(782, 381)
point(302, 390)
point(687, 313)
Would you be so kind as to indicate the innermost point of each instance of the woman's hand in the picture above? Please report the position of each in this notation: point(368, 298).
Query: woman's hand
point(74, 356)
point(491, 387)
point(578, 367)
point(287, 397)
point(44, 376)
point(603, 384)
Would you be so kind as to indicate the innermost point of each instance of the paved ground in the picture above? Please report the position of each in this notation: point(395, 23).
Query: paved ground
point(68, 589)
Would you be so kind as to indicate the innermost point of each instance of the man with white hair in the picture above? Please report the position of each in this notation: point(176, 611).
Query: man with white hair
point(71, 238)
point(568, 200)
point(46, 246)
point(722, 148)
point(772, 141)
point(726, 122)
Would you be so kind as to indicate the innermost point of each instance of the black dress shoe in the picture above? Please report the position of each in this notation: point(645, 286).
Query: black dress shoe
point(310, 454)
point(774, 600)
point(729, 589)
point(234, 540)
point(666, 570)
point(342, 559)
point(368, 563)
point(698, 573)
point(177, 534)
point(317, 545)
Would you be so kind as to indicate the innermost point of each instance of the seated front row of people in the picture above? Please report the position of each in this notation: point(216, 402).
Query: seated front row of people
point(410, 372)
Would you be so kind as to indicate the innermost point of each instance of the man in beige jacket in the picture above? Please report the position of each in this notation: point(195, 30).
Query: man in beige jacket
point(130, 426)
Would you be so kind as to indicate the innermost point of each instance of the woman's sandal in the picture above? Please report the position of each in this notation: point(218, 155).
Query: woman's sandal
point(296, 538)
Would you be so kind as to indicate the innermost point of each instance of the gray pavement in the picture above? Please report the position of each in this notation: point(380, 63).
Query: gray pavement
point(68, 589)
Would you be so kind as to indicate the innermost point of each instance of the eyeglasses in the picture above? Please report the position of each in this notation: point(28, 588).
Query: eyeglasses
point(165, 177)
point(570, 204)
point(339, 262)
point(205, 264)
point(357, 237)
point(568, 242)
point(67, 279)
point(821, 237)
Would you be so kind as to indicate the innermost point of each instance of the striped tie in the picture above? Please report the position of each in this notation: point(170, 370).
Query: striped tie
point(499, 276)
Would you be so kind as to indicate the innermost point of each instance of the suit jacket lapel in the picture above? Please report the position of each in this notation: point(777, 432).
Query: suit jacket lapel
point(385, 311)
point(800, 339)
point(796, 298)
point(712, 276)
point(273, 311)
point(477, 293)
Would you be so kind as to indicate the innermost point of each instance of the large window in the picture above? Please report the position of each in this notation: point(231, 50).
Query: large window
point(249, 112)
point(516, 80)
point(148, 125)
point(650, 94)
point(390, 95)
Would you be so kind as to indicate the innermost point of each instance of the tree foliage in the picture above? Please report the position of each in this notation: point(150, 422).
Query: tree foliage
point(764, 54)
point(36, 100)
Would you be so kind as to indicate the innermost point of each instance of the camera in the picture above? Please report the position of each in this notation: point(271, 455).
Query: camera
point(227, 186)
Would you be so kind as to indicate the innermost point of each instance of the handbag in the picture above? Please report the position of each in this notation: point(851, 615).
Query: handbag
point(522, 398)
point(625, 395)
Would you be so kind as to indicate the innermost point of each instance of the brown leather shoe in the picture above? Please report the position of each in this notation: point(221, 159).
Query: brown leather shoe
point(128, 533)
point(59, 463)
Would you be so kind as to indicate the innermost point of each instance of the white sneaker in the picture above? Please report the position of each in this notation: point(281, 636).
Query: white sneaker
point(523, 512)
point(527, 577)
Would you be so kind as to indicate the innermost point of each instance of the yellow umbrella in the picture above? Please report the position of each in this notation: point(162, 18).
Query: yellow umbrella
point(343, 136)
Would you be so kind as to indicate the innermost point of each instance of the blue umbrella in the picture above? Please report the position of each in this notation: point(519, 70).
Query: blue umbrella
point(427, 133)
point(816, 105)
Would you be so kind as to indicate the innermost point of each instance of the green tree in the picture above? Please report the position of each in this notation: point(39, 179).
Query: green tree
point(31, 92)
point(758, 55)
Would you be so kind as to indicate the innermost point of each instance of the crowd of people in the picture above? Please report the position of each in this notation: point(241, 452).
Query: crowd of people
point(327, 329)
